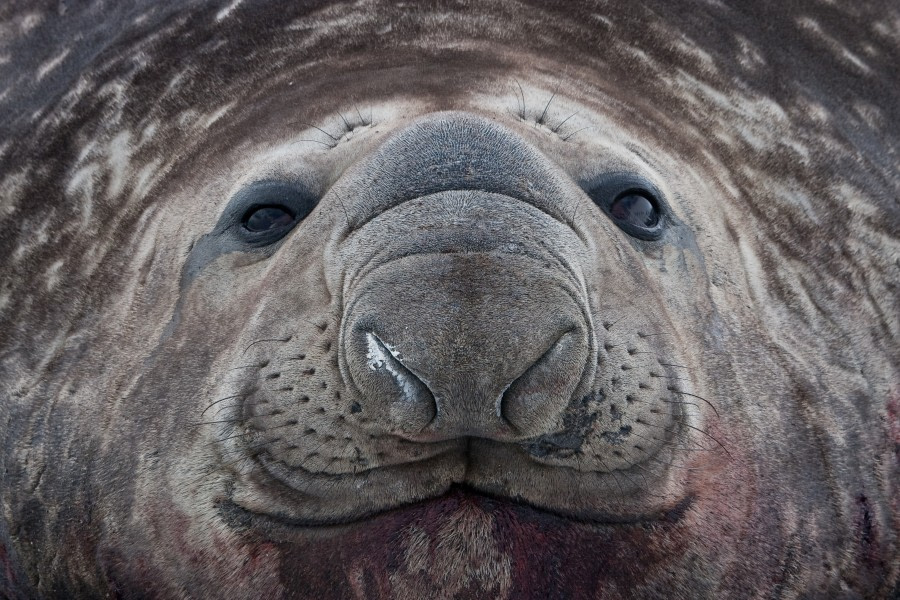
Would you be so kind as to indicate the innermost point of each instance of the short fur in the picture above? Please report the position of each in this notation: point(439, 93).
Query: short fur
point(183, 416)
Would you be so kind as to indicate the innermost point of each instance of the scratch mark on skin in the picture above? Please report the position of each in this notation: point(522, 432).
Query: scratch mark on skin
point(834, 45)
point(227, 10)
point(381, 355)
point(51, 64)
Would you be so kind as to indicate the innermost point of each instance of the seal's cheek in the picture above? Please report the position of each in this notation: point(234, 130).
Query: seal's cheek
point(249, 288)
point(731, 510)
point(165, 545)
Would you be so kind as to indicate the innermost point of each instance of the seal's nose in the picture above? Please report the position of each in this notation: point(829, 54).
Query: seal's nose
point(448, 346)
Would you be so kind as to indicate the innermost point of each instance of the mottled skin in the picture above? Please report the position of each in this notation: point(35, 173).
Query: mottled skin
point(715, 413)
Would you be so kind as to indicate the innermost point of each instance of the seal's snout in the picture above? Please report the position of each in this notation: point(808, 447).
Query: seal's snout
point(466, 345)
point(465, 312)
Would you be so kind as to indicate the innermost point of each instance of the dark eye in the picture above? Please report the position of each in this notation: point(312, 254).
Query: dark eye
point(631, 202)
point(635, 209)
point(265, 212)
point(267, 218)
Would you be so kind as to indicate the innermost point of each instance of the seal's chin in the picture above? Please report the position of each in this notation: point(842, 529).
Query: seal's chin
point(464, 533)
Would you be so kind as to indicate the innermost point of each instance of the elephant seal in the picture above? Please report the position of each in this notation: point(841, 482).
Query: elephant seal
point(449, 300)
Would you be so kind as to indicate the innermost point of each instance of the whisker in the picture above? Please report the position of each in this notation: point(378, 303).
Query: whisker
point(563, 122)
point(540, 120)
point(677, 391)
point(669, 431)
point(611, 472)
point(521, 91)
point(646, 483)
point(198, 424)
point(566, 138)
point(658, 376)
point(237, 419)
point(287, 339)
point(607, 326)
point(257, 366)
point(669, 464)
point(343, 206)
point(326, 144)
point(227, 398)
point(697, 429)
point(680, 448)
point(694, 404)
point(257, 403)
point(646, 335)
point(518, 105)
point(315, 127)
point(291, 423)
point(623, 472)
point(710, 436)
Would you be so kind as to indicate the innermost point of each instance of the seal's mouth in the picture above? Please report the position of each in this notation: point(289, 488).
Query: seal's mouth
point(483, 469)
point(281, 524)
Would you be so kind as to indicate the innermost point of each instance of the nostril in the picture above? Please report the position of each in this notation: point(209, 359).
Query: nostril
point(535, 398)
point(519, 385)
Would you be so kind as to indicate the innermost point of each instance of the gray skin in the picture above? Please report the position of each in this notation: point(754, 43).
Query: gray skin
point(457, 376)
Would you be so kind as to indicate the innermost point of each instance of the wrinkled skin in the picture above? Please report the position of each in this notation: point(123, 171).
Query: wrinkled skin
point(457, 376)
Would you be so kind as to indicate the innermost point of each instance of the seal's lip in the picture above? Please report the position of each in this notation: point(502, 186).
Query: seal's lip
point(443, 448)
point(287, 517)
point(236, 515)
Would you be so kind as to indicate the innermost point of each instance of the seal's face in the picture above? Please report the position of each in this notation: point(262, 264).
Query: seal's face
point(506, 319)
point(444, 317)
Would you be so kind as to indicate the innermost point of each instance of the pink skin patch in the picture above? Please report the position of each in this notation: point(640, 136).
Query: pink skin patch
point(469, 543)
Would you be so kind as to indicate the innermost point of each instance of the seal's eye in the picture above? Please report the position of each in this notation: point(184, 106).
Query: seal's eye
point(635, 209)
point(267, 218)
point(265, 212)
point(632, 202)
